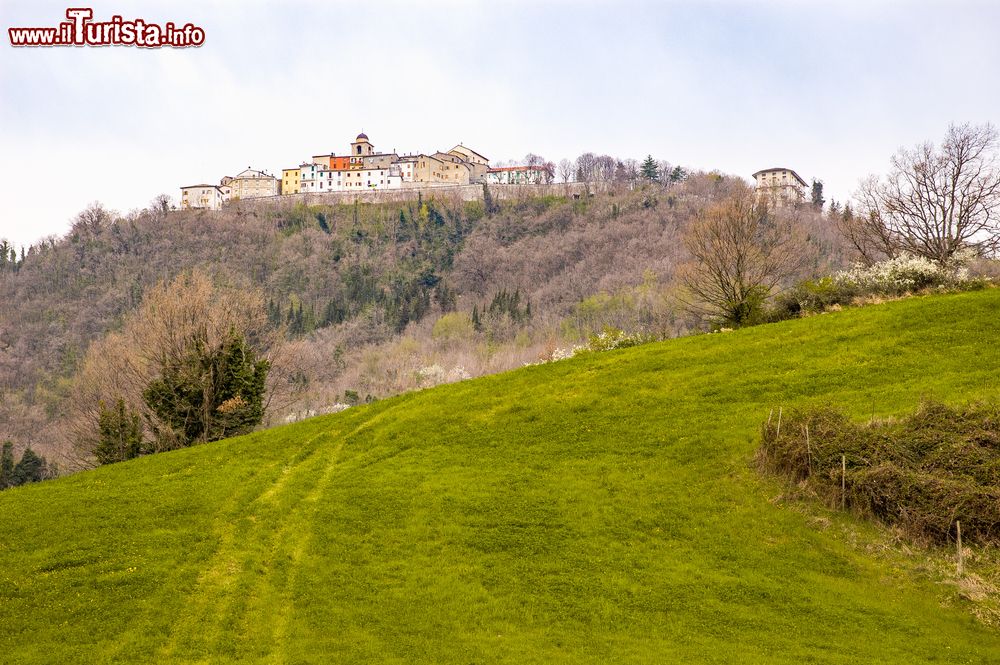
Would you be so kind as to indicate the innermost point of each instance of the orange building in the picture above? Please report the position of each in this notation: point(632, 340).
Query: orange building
point(332, 162)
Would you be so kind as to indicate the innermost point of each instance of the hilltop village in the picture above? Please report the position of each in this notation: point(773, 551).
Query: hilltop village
point(364, 168)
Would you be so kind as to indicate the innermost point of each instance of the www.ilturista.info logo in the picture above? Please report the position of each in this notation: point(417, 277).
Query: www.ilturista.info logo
point(80, 30)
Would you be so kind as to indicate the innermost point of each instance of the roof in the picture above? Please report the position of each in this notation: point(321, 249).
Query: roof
point(362, 135)
point(255, 174)
point(202, 185)
point(514, 168)
point(782, 168)
point(471, 151)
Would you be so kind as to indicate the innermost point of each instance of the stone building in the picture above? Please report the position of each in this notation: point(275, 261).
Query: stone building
point(251, 184)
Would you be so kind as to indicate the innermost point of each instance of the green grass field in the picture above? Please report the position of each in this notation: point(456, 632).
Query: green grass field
point(596, 510)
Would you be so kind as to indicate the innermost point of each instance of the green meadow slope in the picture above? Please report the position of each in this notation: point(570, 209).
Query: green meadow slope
point(595, 510)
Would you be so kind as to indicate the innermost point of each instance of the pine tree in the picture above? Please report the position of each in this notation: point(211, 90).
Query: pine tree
point(817, 194)
point(678, 174)
point(834, 209)
point(650, 170)
point(7, 465)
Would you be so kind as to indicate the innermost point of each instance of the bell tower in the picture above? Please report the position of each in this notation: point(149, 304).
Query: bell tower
point(361, 147)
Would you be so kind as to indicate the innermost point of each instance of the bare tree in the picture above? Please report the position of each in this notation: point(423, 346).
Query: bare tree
point(548, 172)
point(605, 167)
point(740, 253)
point(531, 159)
point(586, 167)
point(566, 170)
point(935, 200)
point(173, 315)
point(93, 220)
point(161, 204)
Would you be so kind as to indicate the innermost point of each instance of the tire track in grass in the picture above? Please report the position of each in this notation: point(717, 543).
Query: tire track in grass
point(232, 565)
point(296, 540)
point(291, 547)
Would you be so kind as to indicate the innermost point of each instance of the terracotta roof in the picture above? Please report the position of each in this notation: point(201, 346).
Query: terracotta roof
point(514, 168)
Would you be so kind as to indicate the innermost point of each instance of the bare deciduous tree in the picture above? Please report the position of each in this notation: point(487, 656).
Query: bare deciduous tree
point(935, 200)
point(566, 170)
point(122, 364)
point(161, 204)
point(740, 252)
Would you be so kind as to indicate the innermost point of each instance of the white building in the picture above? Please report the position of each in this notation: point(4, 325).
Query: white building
point(781, 185)
point(309, 177)
point(206, 197)
point(516, 175)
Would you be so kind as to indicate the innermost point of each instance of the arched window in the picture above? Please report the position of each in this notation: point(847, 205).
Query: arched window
point(359, 150)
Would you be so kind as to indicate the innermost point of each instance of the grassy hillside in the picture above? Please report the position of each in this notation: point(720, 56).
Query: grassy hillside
point(600, 509)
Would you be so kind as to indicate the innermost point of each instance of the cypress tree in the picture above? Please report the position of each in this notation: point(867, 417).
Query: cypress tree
point(7, 465)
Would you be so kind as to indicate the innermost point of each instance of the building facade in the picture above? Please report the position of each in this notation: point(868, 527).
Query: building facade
point(516, 175)
point(363, 167)
point(204, 197)
point(780, 186)
point(291, 180)
point(251, 184)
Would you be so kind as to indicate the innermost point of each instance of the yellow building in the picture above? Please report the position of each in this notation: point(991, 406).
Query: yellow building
point(290, 180)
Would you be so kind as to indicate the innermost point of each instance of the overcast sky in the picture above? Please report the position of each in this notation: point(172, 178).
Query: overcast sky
point(830, 89)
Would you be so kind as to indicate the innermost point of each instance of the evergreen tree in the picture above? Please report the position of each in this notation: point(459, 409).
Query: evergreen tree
point(489, 205)
point(817, 194)
point(321, 220)
point(31, 469)
point(834, 209)
point(848, 213)
point(678, 174)
point(7, 465)
point(120, 434)
point(477, 323)
point(209, 394)
point(650, 169)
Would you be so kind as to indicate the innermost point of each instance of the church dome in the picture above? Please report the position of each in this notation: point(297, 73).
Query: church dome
point(362, 136)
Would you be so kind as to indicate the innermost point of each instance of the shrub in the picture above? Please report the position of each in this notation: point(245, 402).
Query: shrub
point(923, 473)
point(613, 338)
point(452, 328)
point(903, 274)
point(811, 297)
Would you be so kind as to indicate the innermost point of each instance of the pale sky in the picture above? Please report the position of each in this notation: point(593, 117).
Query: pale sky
point(830, 89)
